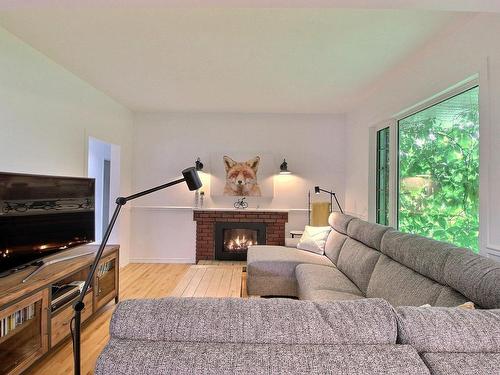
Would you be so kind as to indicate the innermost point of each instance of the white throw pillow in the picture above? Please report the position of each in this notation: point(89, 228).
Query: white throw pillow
point(314, 239)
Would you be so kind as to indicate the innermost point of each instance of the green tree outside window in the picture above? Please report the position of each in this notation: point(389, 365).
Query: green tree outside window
point(439, 171)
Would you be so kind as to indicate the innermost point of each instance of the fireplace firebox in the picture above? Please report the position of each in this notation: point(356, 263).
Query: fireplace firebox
point(232, 239)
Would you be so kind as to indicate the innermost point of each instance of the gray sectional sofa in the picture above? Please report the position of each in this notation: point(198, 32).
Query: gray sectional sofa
point(283, 336)
point(370, 260)
point(335, 329)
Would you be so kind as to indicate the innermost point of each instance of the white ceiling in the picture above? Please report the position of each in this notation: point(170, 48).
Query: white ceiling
point(228, 59)
point(447, 5)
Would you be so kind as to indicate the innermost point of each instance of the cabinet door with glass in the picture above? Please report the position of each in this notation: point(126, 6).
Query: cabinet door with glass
point(106, 281)
point(23, 333)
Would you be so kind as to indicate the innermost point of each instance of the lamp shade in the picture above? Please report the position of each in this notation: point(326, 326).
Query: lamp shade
point(192, 179)
point(316, 189)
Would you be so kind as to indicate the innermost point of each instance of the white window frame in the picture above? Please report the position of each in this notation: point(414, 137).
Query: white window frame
point(393, 124)
point(372, 201)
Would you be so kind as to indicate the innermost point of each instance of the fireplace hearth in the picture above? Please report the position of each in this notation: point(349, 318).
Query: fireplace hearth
point(232, 239)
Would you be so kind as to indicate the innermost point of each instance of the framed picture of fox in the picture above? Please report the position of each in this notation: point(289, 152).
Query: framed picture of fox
point(242, 175)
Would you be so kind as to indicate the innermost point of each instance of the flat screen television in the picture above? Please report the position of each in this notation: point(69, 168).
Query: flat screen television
point(41, 216)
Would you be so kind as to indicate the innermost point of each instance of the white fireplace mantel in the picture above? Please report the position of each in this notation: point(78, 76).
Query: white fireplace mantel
point(232, 209)
point(219, 209)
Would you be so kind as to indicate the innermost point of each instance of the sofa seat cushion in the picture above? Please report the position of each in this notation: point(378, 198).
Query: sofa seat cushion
point(255, 321)
point(271, 269)
point(133, 357)
point(267, 260)
point(328, 295)
point(462, 363)
point(441, 329)
point(272, 286)
point(313, 277)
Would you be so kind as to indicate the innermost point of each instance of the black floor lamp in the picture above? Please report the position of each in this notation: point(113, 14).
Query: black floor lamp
point(190, 176)
point(317, 190)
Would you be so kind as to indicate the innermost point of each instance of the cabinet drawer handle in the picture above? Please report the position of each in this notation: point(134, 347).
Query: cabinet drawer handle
point(66, 322)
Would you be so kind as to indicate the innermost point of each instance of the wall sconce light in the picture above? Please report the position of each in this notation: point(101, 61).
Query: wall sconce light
point(284, 168)
point(198, 165)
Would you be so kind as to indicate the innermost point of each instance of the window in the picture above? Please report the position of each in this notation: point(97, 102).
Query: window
point(382, 188)
point(438, 181)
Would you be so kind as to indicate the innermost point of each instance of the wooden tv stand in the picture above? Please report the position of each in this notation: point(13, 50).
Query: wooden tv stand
point(33, 330)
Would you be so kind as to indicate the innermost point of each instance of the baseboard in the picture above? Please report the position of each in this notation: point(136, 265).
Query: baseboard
point(161, 260)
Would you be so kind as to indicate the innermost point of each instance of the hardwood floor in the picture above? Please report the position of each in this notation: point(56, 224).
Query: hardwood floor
point(136, 281)
point(140, 281)
point(210, 281)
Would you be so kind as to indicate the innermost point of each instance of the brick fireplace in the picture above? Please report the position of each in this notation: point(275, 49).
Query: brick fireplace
point(233, 230)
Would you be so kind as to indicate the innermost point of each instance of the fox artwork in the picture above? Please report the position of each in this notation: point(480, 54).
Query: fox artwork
point(241, 177)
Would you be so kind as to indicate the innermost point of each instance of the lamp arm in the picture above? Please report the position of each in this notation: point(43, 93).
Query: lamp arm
point(120, 201)
point(332, 194)
point(338, 204)
point(79, 305)
point(149, 191)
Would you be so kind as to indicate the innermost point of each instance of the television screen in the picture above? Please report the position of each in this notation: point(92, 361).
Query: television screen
point(43, 215)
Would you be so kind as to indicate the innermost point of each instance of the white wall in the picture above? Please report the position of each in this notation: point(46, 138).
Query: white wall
point(47, 115)
point(458, 53)
point(167, 143)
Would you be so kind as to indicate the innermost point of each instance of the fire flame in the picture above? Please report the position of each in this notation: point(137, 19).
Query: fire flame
point(240, 243)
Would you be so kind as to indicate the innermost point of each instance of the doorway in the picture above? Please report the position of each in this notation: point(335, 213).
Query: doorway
point(103, 164)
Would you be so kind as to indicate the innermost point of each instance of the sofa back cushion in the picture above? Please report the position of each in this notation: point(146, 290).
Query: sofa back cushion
point(256, 321)
point(449, 297)
point(401, 286)
point(357, 261)
point(473, 276)
point(339, 221)
point(368, 233)
point(334, 244)
point(440, 329)
point(423, 255)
